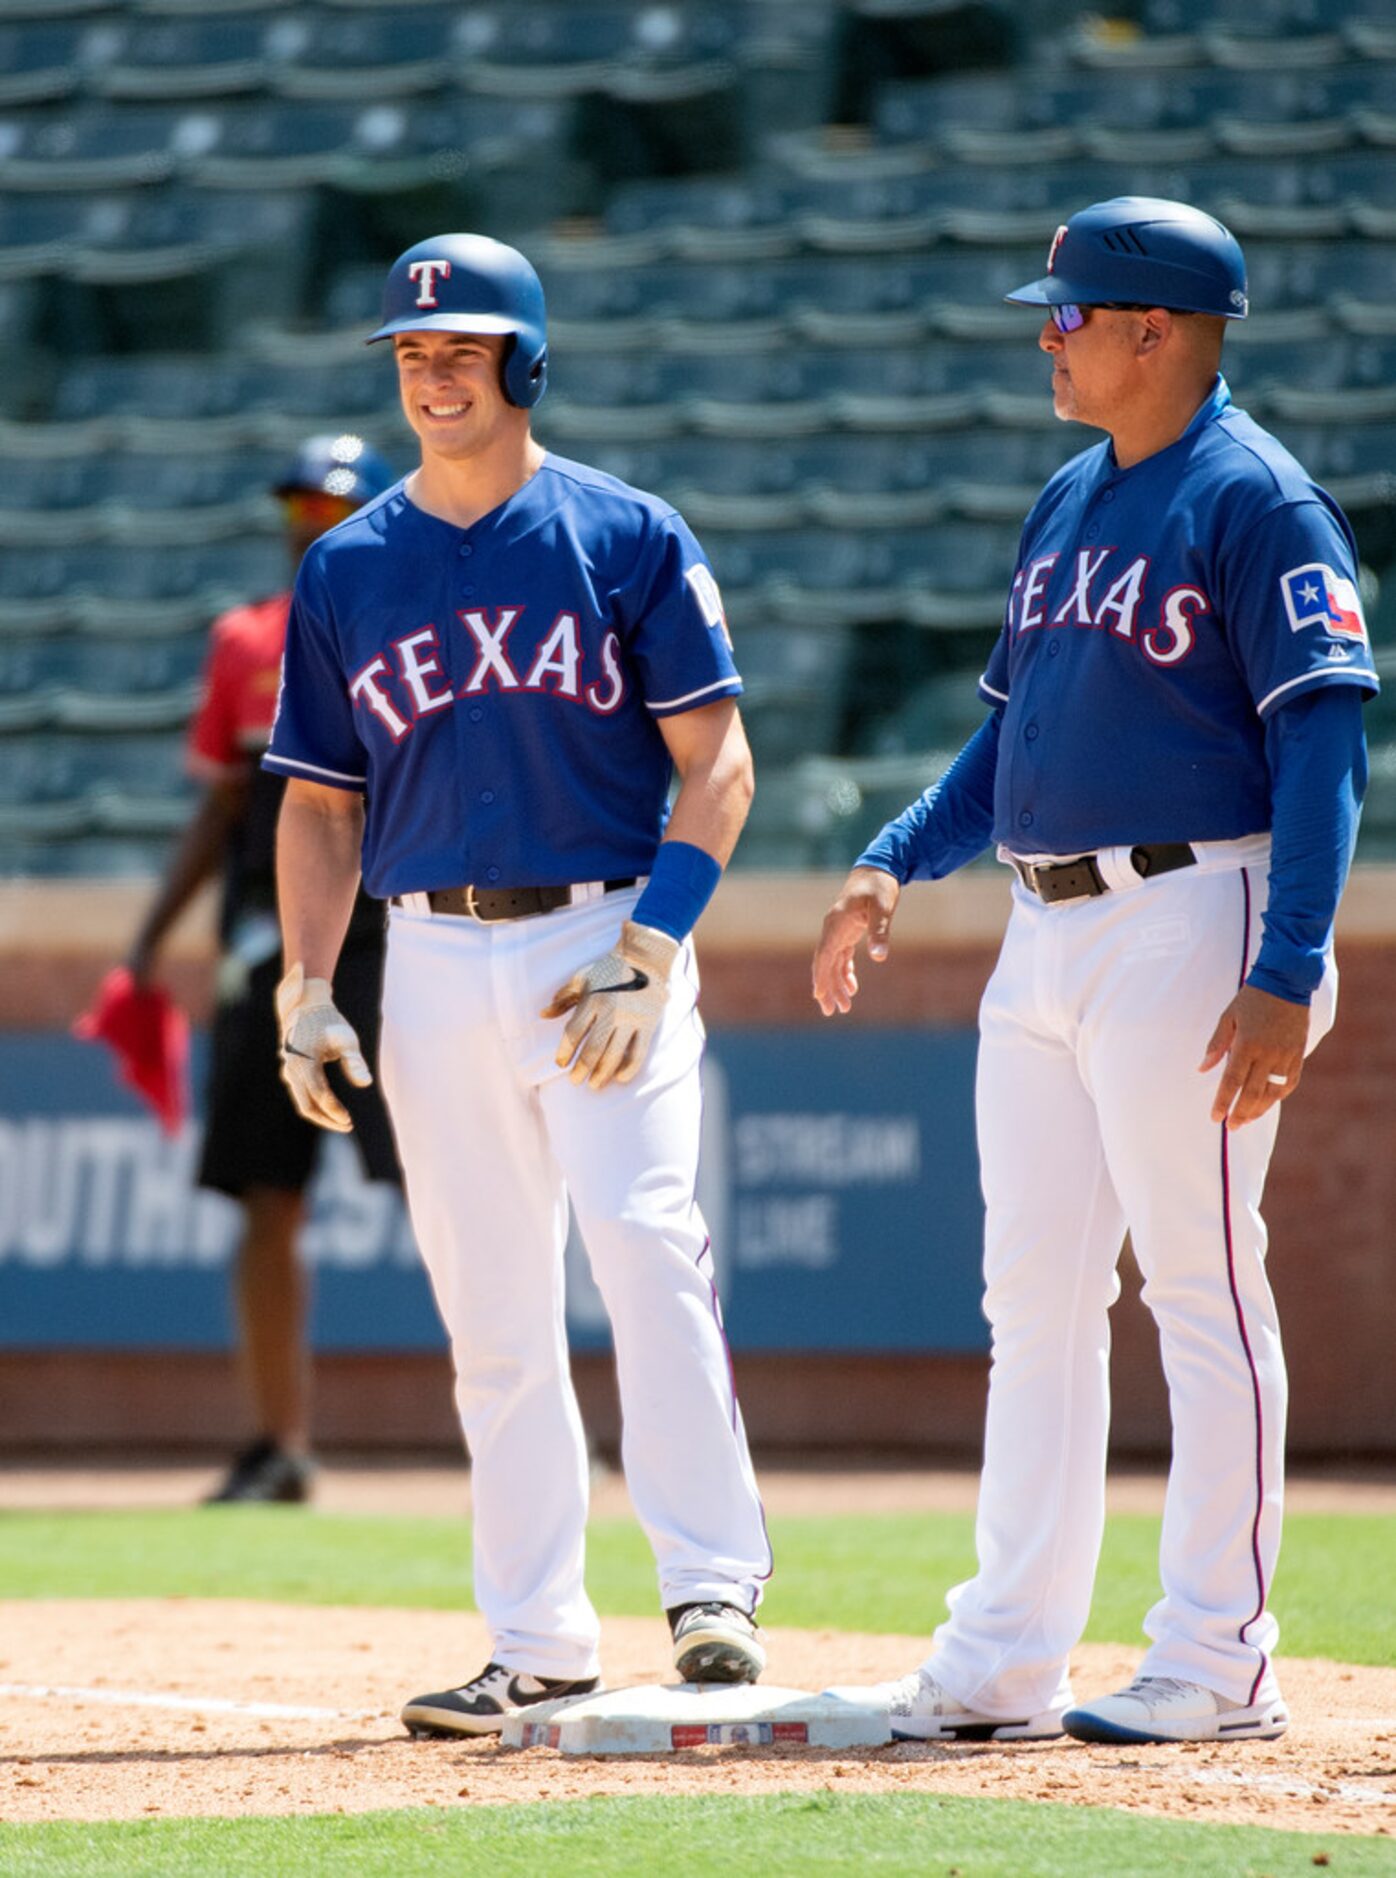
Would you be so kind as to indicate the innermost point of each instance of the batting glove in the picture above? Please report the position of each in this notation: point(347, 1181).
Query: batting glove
point(616, 1004)
point(314, 1033)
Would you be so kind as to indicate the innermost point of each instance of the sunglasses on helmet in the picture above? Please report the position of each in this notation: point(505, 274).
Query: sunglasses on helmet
point(1070, 318)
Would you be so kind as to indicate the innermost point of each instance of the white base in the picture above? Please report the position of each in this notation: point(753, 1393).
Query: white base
point(653, 1720)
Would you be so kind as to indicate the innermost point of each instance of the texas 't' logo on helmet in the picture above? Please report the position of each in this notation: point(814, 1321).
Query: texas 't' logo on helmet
point(425, 273)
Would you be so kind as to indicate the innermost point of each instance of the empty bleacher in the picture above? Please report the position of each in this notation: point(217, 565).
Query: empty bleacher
point(790, 326)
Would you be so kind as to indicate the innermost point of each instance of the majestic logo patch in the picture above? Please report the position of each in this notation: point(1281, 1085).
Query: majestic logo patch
point(709, 597)
point(1057, 241)
point(1315, 596)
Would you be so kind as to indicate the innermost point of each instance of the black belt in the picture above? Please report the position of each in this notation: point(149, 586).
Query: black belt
point(1081, 878)
point(491, 903)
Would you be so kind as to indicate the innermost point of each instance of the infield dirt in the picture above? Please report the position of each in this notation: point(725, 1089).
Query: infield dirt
point(90, 1730)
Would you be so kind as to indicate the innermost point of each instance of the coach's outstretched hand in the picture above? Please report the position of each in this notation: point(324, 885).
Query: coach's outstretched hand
point(616, 1004)
point(314, 1033)
point(862, 911)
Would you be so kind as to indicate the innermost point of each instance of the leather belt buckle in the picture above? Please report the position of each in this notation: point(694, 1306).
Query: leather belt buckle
point(472, 905)
point(1052, 881)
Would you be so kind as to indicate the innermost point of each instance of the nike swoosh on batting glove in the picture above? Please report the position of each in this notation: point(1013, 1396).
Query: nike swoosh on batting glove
point(616, 1003)
point(314, 1033)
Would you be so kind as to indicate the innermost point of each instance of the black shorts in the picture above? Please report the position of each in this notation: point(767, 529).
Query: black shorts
point(253, 1136)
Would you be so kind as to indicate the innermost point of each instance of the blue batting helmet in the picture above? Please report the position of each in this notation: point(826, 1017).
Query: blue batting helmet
point(342, 466)
point(470, 284)
point(1145, 251)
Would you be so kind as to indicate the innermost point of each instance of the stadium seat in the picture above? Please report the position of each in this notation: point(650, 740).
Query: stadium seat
point(137, 762)
point(1294, 348)
point(156, 387)
point(674, 289)
point(28, 483)
point(1334, 274)
point(703, 202)
point(156, 480)
point(390, 52)
point(1371, 360)
point(274, 144)
point(99, 146)
point(38, 767)
point(1330, 451)
point(937, 715)
point(1256, 41)
point(539, 51)
point(40, 61)
point(791, 825)
point(918, 110)
point(207, 576)
point(149, 59)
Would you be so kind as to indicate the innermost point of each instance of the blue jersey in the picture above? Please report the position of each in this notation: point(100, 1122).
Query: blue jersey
point(1158, 615)
point(493, 690)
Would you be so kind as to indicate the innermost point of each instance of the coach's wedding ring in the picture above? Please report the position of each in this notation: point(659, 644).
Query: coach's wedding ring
point(1279, 1079)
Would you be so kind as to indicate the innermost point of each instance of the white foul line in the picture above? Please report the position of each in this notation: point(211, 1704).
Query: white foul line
point(189, 1704)
point(1267, 1783)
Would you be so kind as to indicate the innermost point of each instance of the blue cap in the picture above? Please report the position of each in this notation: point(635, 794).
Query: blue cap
point(1146, 251)
point(343, 466)
point(470, 284)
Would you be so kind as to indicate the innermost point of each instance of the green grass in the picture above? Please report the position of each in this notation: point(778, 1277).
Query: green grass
point(715, 1837)
point(883, 1573)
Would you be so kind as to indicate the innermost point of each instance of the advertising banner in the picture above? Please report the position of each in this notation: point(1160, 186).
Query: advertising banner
point(839, 1182)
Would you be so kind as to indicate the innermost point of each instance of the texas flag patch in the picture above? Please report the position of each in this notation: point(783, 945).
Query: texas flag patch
point(1316, 596)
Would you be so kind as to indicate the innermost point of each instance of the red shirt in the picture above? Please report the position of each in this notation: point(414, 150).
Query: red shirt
point(242, 673)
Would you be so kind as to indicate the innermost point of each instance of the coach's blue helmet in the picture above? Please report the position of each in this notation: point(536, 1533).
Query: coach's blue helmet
point(343, 466)
point(1145, 251)
point(470, 284)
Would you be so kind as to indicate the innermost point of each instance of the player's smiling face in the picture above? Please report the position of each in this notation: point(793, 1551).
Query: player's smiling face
point(452, 390)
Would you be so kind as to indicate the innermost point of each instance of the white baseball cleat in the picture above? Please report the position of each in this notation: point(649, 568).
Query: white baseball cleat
point(920, 1710)
point(1161, 1708)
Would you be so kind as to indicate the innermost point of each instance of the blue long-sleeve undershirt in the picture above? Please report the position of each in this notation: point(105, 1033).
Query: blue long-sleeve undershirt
point(1317, 758)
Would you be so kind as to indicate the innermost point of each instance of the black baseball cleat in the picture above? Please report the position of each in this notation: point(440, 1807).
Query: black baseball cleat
point(266, 1474)
point(715, 1643)
point(481, 1706)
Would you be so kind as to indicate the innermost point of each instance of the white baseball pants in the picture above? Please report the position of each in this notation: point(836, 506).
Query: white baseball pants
point(1092, 1119)
point(493, 1137)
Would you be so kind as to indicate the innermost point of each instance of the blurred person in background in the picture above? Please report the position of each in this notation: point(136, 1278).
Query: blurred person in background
point(256, 1148)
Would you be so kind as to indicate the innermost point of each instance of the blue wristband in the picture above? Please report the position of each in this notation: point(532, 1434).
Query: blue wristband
point(681, 883)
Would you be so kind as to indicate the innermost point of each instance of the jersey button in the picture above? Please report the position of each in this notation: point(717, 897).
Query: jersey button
point(475, 713)
point(469, 591)
point(1091, 534)
point(466, 548)
point(491, 873)
point(1031, 733)
point(1109, 496)
point(1025, 819)
point(1054, 646)
point(487, 796)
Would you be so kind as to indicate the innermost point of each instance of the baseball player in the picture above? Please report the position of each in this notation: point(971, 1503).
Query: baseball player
point(1172, 766)
point(256, 1149)
point(491, 673)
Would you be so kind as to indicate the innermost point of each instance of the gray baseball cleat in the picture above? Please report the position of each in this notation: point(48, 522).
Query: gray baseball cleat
point(480, 1706)
point(715, 1642)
